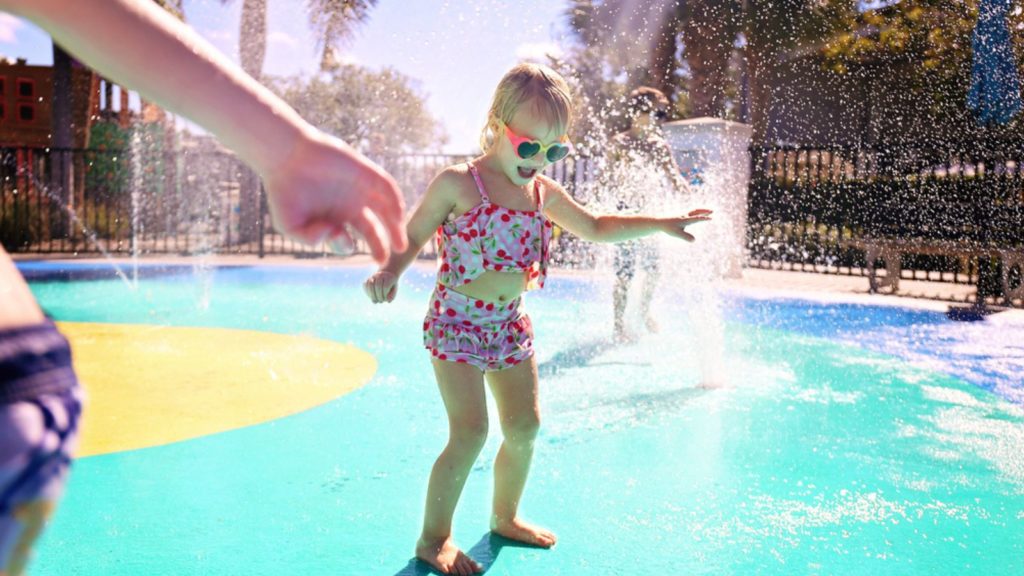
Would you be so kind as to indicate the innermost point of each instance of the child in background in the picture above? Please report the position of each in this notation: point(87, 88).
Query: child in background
point(642, 170)
point(493, 220)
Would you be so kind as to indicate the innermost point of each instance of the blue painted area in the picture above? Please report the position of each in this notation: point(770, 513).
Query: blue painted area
point(825, 455)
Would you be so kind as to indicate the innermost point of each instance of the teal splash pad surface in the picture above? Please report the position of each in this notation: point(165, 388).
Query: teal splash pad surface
point(822, 456)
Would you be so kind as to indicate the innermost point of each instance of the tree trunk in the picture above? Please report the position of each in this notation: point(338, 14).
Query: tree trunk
point(663, 59)
point(252, 50)
point(63, 118)
point(709, 34)
point(63, 140)
point(759, 74)
point(252, 37)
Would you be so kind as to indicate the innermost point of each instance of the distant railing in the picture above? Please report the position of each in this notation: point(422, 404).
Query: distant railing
point(189, 201)
point(807, 204)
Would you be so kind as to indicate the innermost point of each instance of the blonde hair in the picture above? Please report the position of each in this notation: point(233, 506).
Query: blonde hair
point(528, 83)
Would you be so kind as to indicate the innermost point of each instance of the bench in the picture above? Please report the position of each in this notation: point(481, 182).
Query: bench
point(891, 250)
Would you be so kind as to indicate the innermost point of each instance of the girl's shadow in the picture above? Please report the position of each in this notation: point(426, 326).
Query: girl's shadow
point(485, 552)
point(576, 356)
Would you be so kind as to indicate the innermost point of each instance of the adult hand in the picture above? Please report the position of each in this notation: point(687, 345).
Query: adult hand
point(677, 226)
point(381, 287)
point(325, 190)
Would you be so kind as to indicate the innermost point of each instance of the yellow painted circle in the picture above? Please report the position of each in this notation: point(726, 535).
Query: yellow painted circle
point(153, 385)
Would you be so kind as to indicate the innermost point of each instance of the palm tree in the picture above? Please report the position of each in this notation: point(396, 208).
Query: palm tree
point(252, 37)
point(644, 43)
point(333, 21)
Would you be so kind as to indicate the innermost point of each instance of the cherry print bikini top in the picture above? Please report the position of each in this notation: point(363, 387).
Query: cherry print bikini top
point(492, 237)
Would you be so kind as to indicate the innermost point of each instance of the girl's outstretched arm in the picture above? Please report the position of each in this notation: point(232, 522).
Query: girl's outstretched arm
point(567, 213)
point(435, 205)
point(316, 183)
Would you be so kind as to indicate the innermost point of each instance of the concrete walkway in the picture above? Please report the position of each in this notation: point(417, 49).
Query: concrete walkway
point(757, 278)
point(754, 280)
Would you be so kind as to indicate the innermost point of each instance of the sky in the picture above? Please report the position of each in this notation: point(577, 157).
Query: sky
point(455, 50)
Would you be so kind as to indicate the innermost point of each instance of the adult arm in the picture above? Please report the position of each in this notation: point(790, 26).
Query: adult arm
point(316, 183)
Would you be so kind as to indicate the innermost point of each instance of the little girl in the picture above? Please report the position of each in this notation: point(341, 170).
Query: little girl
point(493, 219)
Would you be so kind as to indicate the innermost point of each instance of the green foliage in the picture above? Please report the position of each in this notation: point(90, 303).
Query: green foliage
point(925, 46)
point(377, 112)
point(107, 162)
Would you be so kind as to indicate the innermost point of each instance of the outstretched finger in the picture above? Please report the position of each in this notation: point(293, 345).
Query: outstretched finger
point(365, 225)
point(700, 212)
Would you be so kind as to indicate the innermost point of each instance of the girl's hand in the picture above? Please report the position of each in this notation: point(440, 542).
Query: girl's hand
point(677, 226)
point(381, 287)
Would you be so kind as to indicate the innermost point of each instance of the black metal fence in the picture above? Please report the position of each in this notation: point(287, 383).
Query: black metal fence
point(810, 209)
point(117, 202)
point(147, 201)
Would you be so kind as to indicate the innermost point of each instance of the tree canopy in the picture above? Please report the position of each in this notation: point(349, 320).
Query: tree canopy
point(377, 112)
point(928, 44)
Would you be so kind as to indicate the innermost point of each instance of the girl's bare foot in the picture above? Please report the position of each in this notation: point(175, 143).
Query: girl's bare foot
point(446, 557)
point(520, 531)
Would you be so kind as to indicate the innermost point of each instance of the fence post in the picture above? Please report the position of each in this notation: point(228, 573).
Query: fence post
point(261, 230)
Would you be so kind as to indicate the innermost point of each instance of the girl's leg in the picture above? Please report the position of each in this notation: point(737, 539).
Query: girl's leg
point(515, 393)
point(462, 391)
